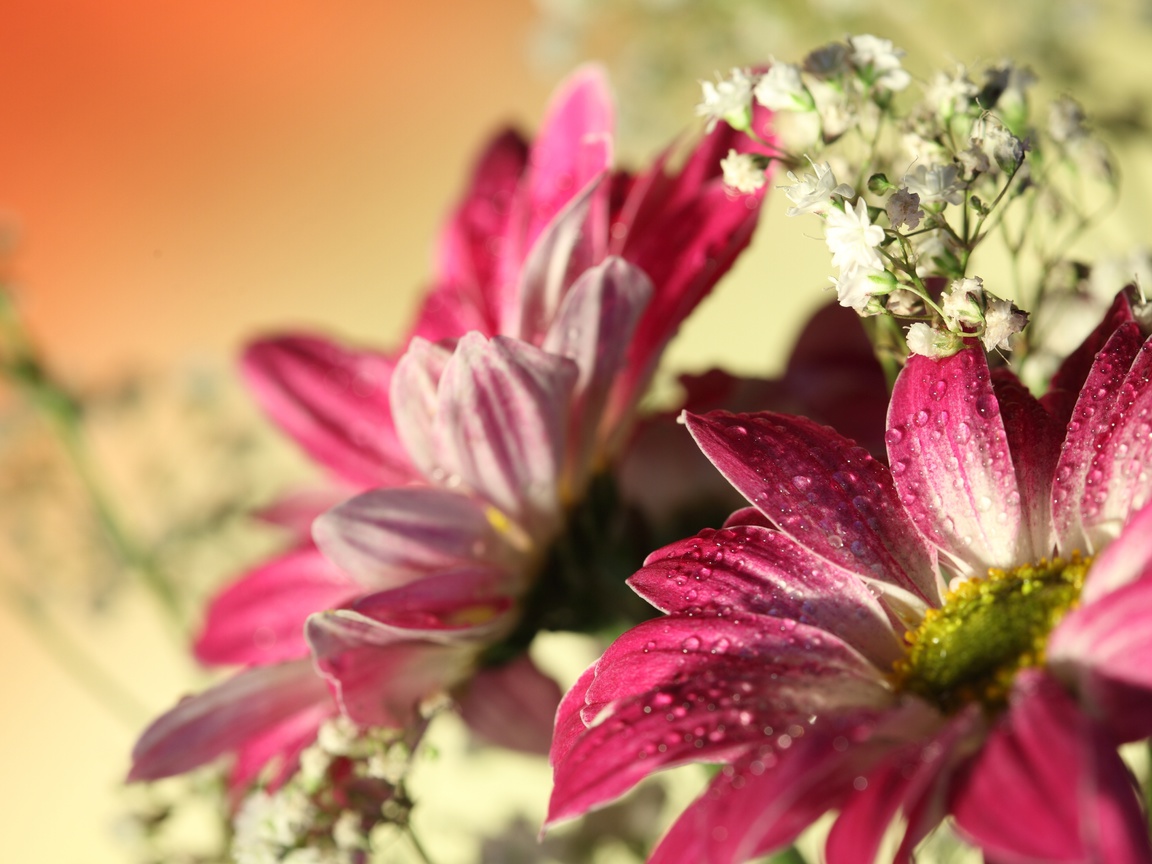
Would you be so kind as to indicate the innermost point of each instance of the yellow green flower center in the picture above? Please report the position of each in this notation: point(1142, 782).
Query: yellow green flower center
point(988, 629)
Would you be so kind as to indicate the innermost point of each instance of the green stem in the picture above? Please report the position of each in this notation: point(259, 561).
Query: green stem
point(63, 414)
point(417, 845)
point(76, 662)
point(791, 855)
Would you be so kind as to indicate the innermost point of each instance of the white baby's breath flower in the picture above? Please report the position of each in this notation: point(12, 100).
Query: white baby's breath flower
point(728, 99)
point(857, 288)
point(903, 208)
point(963, 302)
point(1002, 320)
point(974, 160)
point(781, 89)
point(935, 184)
point(814, 193)
point(991, 136)
point(933, 343)
point(950, 94)
point(852, 239)
point(879, 62)
point(742, 172)
point(1066, 120)
point(338, 736)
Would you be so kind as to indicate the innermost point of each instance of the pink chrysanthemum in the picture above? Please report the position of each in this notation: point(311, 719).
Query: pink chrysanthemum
point(967, 633)
point(559, 284)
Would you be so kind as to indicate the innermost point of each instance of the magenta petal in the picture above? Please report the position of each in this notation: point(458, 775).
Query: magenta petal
point(1118, 482)
point(469, 295)
point(297, 509)
point(829, 495)
point(388, 537)
point(569, 720)
point(593, 329)
point(259, 618)
point(225, 718)
point(1090, 428)
point(763, 801)
point(676, 690)
point(913, 779)
point(1034, 439)
point(573, 146)
point(414, 399)
point(1068, 381)
point(1123, 561)
point(333, 401)
point(1048, 785)
point(1102, 649)
point(502, 415)
point(950, 459)
point(750, 569)
point(512, 706)
point(282, 743)
point(562, 252)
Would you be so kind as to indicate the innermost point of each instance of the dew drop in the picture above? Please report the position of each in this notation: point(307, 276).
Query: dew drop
point(921, 418)
point(939, 389)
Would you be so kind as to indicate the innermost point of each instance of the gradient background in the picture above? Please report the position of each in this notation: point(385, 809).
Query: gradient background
point(179, 175)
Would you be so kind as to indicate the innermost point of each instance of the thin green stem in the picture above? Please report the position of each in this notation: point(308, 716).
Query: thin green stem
point(100, 684)
point(417, 845)
point(63, 414)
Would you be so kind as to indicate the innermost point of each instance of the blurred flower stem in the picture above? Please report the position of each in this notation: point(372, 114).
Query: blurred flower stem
point(64, 414)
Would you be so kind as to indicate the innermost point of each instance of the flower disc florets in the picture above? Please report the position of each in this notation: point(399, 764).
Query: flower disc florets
point(989, 629)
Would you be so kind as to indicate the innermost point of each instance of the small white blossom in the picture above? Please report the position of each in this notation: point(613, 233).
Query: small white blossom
point(852, 239)
point(346, 831)
point(1066, 120)
point(963, 302)
point(837, 114)
point(857, 288)
point(742, 172)
point(879, 61)
point(814, 193)
point(781, 89)
point(974, 160)
point(728, 99)
point(929, 342)
point(950, 94)
point(990, 135)
point(940, 183)
point(904, 209)
point(338, 736)
point(1002, 320)
point(266, 826)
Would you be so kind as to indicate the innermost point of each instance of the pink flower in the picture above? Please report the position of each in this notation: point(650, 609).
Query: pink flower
point(475, 452)
point(813, 646)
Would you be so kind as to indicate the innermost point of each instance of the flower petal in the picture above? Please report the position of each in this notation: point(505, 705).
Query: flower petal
point(573, 146)
point(512, 706)
point(225, 718)
point(593, 329)
point(388, 537)
point(333, 401)
point(1089, 427)
point(414, 398)
point(685, 231)
point(676, 690)
point(259, 618)
point(502, 412)
point(1123, 561)
point(950, 460)
point(1118, 481)
point(749, 569)
point(1068, 381)
point(1034, 439)
point(394, 649)
point(1102, 648)
point(1048, 785)
point(829, 495)
point(469, 293)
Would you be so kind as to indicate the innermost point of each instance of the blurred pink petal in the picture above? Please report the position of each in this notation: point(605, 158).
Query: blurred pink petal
point(512, 705)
